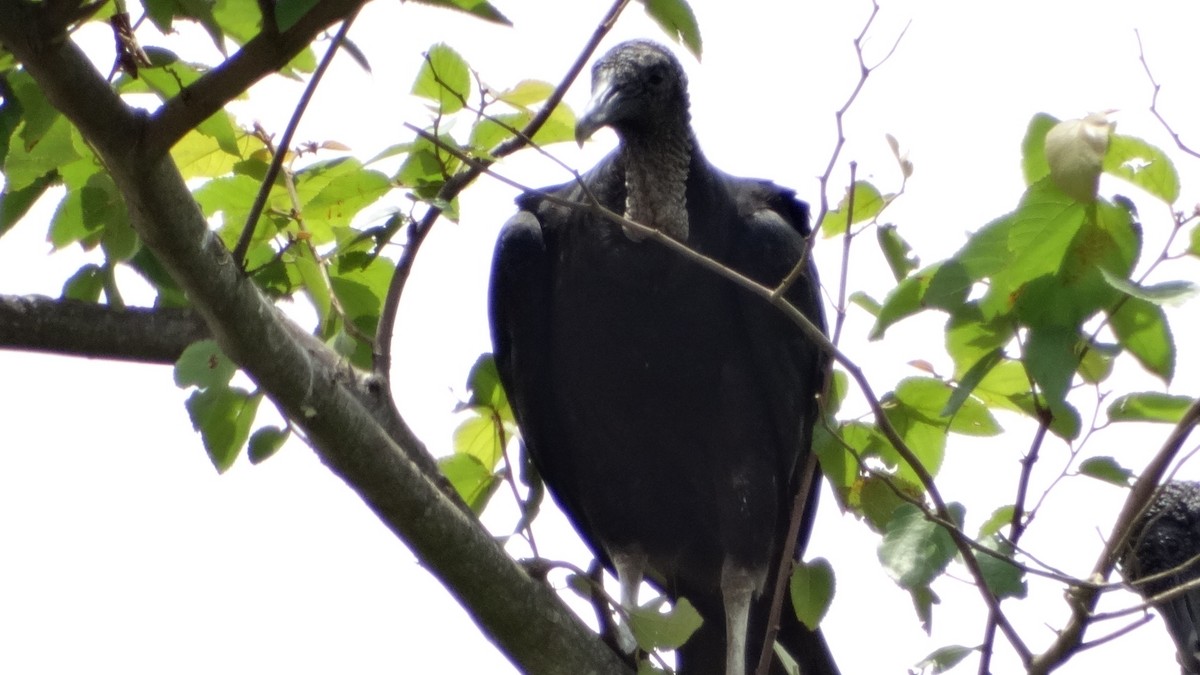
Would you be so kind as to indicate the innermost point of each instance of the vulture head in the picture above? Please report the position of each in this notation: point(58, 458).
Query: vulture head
point(639, 89)
point(636, 87)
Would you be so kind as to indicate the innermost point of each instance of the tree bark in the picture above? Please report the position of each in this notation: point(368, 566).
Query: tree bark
point(77, 328)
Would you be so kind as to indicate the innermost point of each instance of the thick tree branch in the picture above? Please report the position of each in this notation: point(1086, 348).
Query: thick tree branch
point(318, 393)
point(77, 328)
point(266, 53)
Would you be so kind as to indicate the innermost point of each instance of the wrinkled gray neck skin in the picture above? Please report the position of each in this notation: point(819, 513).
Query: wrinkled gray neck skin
point(656, 172)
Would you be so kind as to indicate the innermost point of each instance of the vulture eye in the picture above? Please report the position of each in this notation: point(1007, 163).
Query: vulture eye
point(656, 77)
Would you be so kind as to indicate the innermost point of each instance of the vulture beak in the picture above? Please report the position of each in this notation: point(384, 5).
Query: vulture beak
point(600, 110)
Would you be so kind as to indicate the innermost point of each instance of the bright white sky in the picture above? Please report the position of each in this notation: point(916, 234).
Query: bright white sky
point(124, 551)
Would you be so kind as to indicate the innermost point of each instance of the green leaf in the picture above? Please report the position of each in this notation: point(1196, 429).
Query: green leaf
point(479, 436)
point(427, 166)
point(223, 416)
point(332, 192)
point(316, 288)
point(148, 266)
point(926, 440)
point(1194, 241)
point(1050, 359)
point(491, 131)
point(203, 365)
point(1000, 518)
point(1116, 232)
point(240, 21)
point(1097, 362)
point(1141, 327)
point(677, 20)
point(896, 251)
point(526, 93)
point(876, 498)
point(231, 197)
point(943, 285)
point(1144, 165)
point(444, 78)
point(811, 587)
point(1033, 148)
point(866, 302)
point(868, 202)
point(94, 213)
point(839, 384)
point(1106, 469)
point(471, 479)
point(1166, 293)
point(163, 13)
point(265, 442)
point(837, 464)
point(929, 397)
point(1149, 406)
point(943, 659)
point(914, 550)
point(1039, 236)
point(477, 8)
point(484, 384)
point(923, 599)
point(1064, 418)
point(38, 114)
point(658, 630)
point(168, 81)
point(14, 204)
point(559, 126)
point(28, 161)
point(1003, 579)
point(85, 284)
point(287, 13)
point(200, 156)
point(970, 380)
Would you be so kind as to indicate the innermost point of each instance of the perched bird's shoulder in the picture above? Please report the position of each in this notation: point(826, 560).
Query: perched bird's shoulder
point(760, 201)
point(605, 182)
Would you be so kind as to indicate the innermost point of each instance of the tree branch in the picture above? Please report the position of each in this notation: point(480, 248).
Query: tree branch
point(78, 328)
point(266, 53)
point(387, 467)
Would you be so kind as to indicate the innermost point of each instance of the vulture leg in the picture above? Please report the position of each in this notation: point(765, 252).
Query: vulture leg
point(631, 569)
point(737, 590)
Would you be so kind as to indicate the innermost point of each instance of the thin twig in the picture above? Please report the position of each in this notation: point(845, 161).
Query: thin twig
point(457, 183)
point(285, 142)
point(1117, 633)
point(847, 239)
point(864, 72)
point(1154, 100)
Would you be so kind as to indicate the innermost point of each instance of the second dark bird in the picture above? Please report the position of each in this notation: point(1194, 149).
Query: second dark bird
point(1166, 542)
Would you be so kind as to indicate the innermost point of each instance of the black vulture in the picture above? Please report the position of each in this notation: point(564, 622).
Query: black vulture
point(669, 411)
point(1166, 541)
